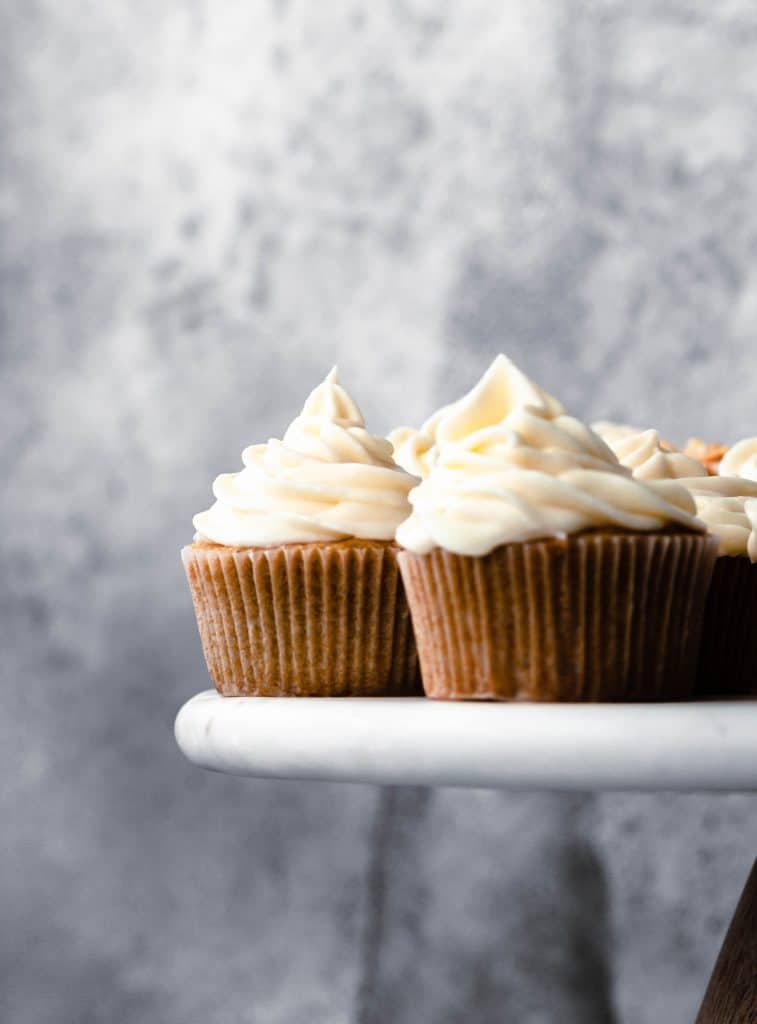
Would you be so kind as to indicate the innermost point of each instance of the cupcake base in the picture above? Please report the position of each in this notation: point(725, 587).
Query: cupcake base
point(304, 619)
point(728, 658)
point(595, 617)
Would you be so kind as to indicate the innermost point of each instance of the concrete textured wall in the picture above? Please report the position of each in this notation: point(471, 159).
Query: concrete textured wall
point(202, 207)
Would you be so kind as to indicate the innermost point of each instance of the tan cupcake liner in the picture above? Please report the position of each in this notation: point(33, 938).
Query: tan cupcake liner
point(728, 658)
point(304, 619)
point(596, 617)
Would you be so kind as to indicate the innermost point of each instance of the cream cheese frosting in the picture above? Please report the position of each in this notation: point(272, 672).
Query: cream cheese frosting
point(414, 451)
point(501, 389)
point(728, 507)
point(610, 432)
point(644, 454)
point(512, 466)
point(741, 460)
point(328, 479)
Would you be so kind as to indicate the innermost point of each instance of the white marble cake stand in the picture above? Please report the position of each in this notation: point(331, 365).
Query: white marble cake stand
point(707, 745)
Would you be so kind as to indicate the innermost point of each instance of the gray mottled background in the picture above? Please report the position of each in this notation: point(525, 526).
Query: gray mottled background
point(202, 207)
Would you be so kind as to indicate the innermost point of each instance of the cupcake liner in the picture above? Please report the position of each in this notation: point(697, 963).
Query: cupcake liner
point(728, 658)
point(303, 619)
point(598, 616)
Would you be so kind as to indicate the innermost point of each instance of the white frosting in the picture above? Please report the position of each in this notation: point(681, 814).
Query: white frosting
point(750, 510)
point(645, 456)
point(721, 501)
point(501, 389)
point(741, 460)
point(413, 450)
point(611, 432)
point(328, 479)
point(512, 466)
point(728, 507)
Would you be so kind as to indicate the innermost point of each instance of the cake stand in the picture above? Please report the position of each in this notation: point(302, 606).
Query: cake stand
point(707, 745)
point(699, 746)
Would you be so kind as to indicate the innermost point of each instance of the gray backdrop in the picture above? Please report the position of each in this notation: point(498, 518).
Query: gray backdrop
point(202, 207)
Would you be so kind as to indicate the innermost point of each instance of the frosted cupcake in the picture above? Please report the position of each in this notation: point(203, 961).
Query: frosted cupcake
point(728, 660)
point(537, 567)
point(727, 505)
point(293, 570)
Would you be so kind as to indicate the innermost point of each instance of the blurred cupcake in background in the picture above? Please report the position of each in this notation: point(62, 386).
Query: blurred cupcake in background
point(293, 570)
point(537, 567)
point(727, 505)
point(728, 659)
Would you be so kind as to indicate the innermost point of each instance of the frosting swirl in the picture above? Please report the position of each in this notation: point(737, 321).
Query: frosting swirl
point(728, 507)
point(501, 389)
point(327, 479)
point(413, 450)
point(512, 466)
point(647, 458)
point(610, 432)
point(741, 460)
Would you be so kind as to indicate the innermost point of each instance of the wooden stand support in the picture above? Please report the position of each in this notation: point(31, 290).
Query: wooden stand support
point(731, 996)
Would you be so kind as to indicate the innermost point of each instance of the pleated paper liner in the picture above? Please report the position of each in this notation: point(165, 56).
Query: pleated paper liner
point(728, 659)
point(595, 617)
point(304, 619)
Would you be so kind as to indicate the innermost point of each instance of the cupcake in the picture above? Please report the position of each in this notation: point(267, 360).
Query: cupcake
point(293, 569)
point(728, 659)
point(727, 505)
point(536, 567)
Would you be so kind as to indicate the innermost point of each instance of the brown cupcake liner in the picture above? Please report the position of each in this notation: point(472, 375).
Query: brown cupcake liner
point(594, 617)
point(728, 657)
point(304, 619)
